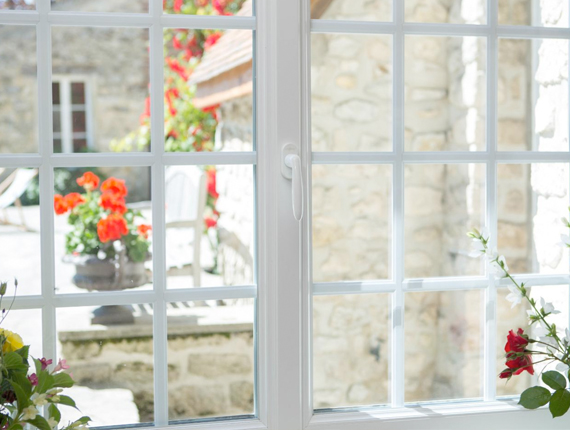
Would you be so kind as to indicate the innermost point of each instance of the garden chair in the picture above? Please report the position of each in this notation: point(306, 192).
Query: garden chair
point(11, 189)
point(185, 200)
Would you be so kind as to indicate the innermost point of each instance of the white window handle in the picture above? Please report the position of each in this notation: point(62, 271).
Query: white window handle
point(291, 169)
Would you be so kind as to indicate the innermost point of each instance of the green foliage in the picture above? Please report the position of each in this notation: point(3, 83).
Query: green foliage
point(559, 403)
point(535, 397)
point(554, 380)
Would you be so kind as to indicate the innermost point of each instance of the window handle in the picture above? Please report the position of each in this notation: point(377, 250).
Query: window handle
point(291, 169)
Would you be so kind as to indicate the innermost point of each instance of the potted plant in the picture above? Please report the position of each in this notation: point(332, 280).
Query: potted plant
point(109, 243)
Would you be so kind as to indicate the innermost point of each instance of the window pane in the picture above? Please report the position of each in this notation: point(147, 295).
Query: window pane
point(18, 89)
point(206, 7)
point(55, 88)
point(452, 11)
point(351, 89)
point(209, 226)
point(18, 4)
point(101, 245)
point(79, 122)
point(514, 318)
point(117, 61)
point(444, 345)
point(445, 94)
point(79, 145)
point(27, 323)
point(533, 95)
point(20, 252)
point(138, 6)
point(375, 10)
point(351, 350)
point(532, 199)
point(112, 363)
point(541, 13)
point(211, 360)
point(77, 93)
point(352, 228)
point(56, 123)
point(208, 90)
point(442, 203)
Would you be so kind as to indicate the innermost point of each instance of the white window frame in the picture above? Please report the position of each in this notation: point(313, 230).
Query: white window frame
point(67, 135)
point(284, 290)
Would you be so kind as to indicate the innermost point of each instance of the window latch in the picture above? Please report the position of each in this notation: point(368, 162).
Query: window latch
point(291, 169)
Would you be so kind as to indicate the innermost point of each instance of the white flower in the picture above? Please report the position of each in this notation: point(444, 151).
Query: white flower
point(564, 240)
point(499, 266)
point(485, 233)
point(515, 297)
point(561, 367)
point(548, 307)
point(551, 343)
point(39, 399)
point(29, 413)
point(52, 422)
point(477, 249)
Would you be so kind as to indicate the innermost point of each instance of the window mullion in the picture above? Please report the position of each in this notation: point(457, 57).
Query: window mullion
point(490, 368)
point(398, 297)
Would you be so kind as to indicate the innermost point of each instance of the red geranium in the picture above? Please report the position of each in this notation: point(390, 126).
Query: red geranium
point(211, 40)
point(115, 186)
point(210, 222)
point(89, 181)
point(144, 230)
point(178, 5)
point(113, 202)
point(59, 204)
point(73, 199)
point(112, 228)
point(212, 191)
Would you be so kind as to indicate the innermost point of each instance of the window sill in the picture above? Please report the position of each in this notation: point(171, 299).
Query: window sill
point(497, 415)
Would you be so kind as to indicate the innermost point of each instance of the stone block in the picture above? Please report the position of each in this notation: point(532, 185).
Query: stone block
point(241, 396)
point(197, 401)
point(211, 365)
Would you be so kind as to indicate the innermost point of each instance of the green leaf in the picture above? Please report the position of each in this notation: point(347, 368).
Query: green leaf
point(66, 400)
point(14, 361)
point(54, 412)
point(24, 352)
point(535, 397)
point(62, 380)
point(21, 397)
point(45, 382)
point(559, 403)
point(15, 427)
point(39, 422)
point(83, 420)
point(22, 380)
point(554, 380)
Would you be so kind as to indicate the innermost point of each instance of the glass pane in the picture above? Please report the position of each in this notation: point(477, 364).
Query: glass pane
point(55, 88)
point(102, 236)
point(210, 221)
point(18, 4)
point(57, 146)
point(20, 252)
point(77, 93)
point(514, 318)
point(442, 203)
point(79, 145)
point(352, 227)
point(533, 95)
point(138, 6)
point(541, 13)
point(375, 10)
point(208, 78)
point(445, 94)
point(351, 350)
point(79, 122)
point(444, 345)
point(56, 123)
point(118, 63)
point(211, 360)
point(532, 199)
point(209, 7)
point(451, 11)
point(18, 89)
point(351, 92)
point(111, 362)
point(27, 323)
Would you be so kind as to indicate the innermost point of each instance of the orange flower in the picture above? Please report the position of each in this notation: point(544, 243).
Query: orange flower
point(113, 202)
point(73, 199)
point(115, 186)
point(89, 181)
point(144, 229)
point(112, 228)
point(59, 204)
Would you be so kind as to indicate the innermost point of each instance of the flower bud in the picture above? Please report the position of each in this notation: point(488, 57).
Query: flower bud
point(3, 288)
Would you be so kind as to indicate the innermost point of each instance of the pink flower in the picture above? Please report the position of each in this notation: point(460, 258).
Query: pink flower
point(61, 365)
point(33, 379)
point(45, 363)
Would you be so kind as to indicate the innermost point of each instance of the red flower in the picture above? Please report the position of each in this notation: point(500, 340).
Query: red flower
point(219, 5)
point(516, 342)
point(176, 67)
point(112, 228)
point(113, 202)
point(170, 94)
point(212, 39)
point(201, 3)
point(176, 43)
point(146, 114)
point(89, 181)
point(59, 204)
point(33, 378)
point(211, 183)
point(115, 186)
point(45, 363)
point(212, 110)
point(178, 5)
point(210, 222)
point(73, 199)
point(519, 364)
point(144, 230)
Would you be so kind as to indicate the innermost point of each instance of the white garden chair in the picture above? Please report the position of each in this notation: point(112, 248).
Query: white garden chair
point(11, 189)
point(185, 203)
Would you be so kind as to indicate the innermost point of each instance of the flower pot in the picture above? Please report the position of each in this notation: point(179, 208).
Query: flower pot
point(93, 274)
